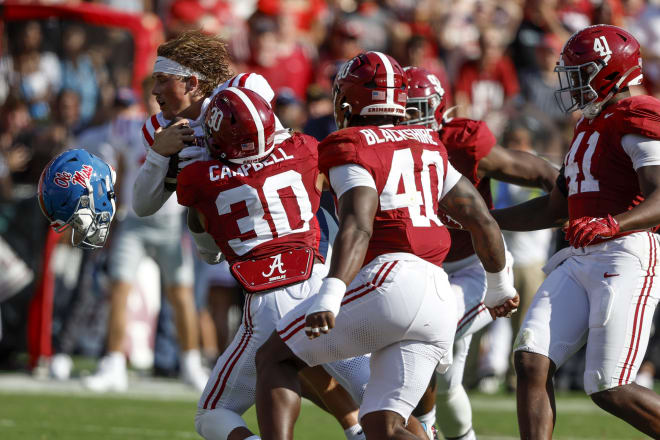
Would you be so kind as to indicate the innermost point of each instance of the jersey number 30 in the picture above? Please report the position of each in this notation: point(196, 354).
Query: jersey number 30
point(283, 222)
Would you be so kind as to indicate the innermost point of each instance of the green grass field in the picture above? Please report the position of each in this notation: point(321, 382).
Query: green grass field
point(51, 416)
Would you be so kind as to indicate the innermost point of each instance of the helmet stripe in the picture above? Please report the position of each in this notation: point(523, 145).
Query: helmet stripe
point(389, 70)
point(255, 116)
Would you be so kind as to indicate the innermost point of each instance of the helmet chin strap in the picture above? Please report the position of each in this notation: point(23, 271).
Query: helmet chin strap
point(347, 114)
point(592, 110)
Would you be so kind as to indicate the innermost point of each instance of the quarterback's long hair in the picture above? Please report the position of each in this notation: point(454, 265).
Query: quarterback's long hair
point(202, 53)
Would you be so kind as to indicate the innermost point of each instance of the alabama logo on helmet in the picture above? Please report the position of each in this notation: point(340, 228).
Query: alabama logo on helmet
point(370, 84)
point(239, 126)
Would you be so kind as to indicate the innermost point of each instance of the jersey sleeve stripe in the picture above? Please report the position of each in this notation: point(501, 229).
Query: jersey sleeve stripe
point(147, 136)
point(154, 122)
point(236, 81)
point(243, 79)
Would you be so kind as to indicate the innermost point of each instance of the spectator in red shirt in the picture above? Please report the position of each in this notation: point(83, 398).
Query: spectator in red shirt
point(487, 84)
point(284, 63)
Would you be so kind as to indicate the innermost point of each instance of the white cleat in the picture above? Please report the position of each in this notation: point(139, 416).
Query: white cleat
point(110, 376)
point(60, 366)
point(192, 371)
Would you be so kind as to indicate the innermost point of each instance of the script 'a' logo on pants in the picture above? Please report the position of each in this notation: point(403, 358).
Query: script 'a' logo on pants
point(276, 264)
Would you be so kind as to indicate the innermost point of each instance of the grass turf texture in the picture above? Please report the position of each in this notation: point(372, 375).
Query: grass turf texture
point(113, 417)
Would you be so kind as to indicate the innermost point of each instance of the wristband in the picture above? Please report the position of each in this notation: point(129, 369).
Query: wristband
point(329, 297)
point(498, 288)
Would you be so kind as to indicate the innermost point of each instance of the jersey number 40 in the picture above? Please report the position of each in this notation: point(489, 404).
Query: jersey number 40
point(403, 169)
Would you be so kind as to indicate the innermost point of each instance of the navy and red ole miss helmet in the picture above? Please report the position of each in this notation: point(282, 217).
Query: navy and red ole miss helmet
point(371, 84)
point(595, 64)
point(239, 126)
point(76, 189)
point(426, 101)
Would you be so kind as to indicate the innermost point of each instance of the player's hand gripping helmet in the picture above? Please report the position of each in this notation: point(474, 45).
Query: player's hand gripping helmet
point(371, 84)
point(425, 98)
point(239, 126)
point(77, 189)
point(594, 65)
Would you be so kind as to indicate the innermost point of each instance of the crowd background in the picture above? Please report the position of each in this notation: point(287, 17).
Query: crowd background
point(67, 83)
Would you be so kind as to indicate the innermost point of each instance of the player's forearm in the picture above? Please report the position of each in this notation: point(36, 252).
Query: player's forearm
point(532, 215)
point(527, 169)
point(149, 193)
point(643, 216)
point(465, 205)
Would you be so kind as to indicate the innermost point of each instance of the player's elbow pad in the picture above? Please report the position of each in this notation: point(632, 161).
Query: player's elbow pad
point(499, 288)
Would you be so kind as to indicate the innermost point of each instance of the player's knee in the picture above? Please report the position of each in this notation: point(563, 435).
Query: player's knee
point(611, 398)
point(271, 352)
point(531, 367)
point(454, 415)
point(217, 424)
point(382, 425)
point(597, 382)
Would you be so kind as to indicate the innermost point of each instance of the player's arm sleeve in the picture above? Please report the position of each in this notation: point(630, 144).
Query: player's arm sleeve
point(642, 151)
point(451, 179)
point(346, 177)
point(149, 193)
point(258, 84)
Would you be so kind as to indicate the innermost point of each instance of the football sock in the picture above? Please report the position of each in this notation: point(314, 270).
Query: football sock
point(428, 418)
point(355, 432)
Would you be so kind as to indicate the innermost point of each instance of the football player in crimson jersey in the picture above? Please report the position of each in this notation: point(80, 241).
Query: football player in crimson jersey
point(386, 293)
point(603, 289)
point(473, 151)
point(257, 199)
point(190, 69)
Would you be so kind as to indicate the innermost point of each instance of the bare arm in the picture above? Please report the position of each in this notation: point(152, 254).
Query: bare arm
point(544, 212)
point(518, 167)
point(357, 209)
point(646, 214)
point(466, 205)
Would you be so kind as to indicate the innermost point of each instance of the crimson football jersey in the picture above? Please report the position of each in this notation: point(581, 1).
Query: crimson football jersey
point(259, 209)
point(599, 174)
point(409, 166)
point(467, 142)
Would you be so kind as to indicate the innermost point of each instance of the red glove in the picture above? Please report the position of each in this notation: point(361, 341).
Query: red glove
point(582, 231)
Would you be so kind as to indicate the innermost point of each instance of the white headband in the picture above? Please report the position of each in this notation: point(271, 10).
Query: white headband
point(166, 65)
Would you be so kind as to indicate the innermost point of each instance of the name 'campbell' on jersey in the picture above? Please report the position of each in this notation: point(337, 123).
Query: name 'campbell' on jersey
point(599, 167)
point(258, 209)
point(409, 166)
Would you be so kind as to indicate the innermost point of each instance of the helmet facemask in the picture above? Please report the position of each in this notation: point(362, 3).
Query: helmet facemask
point(421, 111)
point(90, 228)
point(575, 91)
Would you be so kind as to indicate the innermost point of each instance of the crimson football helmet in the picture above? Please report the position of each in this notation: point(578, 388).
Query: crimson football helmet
point(425, 98)
point(239, 126)
point(371, 84)
point(595, 64)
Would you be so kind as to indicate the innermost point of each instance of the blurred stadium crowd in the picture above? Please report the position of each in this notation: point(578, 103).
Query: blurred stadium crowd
point(69, 83)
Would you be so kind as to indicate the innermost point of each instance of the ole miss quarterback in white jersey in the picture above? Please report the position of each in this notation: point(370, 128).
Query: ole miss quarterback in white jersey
point(603, 289)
